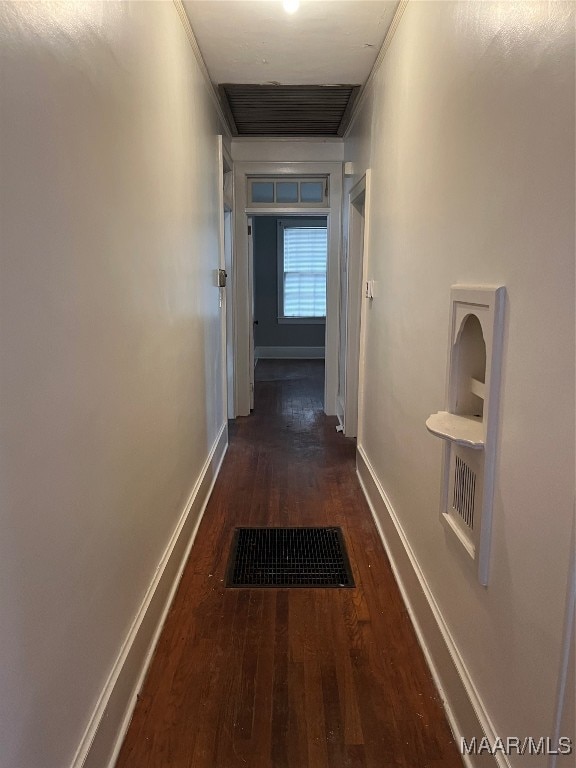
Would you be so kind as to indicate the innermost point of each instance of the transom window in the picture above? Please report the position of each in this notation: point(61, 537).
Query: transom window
point(302, 257)
point(278, 193)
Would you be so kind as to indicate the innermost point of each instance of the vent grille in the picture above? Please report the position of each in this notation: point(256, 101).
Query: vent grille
point(287, 110)
point(289, 557)
point(464, 492)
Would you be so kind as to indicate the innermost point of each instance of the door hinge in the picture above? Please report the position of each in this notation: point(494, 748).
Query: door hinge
point(249, 230)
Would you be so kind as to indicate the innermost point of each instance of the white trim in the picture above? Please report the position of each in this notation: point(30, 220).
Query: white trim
point(201, 64)
point(230, 321)
point(241, 287)
point(487, 303)
point(365, 304)
point(358, 245)
point(377, 64)
point(107, 727)
point(255, 211)
point(289, 353)
point(465, 710)
point(222, 244)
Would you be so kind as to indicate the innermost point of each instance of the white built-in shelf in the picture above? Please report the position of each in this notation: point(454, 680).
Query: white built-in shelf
point(478, 388)
point(462, 430)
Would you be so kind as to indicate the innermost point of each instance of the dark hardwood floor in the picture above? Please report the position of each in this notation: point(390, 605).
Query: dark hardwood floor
point(279, 678)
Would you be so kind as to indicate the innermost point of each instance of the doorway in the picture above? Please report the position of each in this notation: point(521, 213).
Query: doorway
point(289, 286)
point(351, 297)
point(260, 189)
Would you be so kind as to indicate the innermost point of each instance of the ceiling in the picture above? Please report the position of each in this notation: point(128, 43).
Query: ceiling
point(255, 42)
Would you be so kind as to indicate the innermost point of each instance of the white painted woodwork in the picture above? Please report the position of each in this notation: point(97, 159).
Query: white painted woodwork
point(477, 388)
point(227, 245)
point(351, 304)
point(226, 308)
point(467, 431)
point(471, 419)
point(244, 331)
point(230, 308)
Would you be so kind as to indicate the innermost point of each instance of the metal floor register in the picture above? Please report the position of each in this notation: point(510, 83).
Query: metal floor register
point(289, 557)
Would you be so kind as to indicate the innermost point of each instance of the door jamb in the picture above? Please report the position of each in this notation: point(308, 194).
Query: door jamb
point(359, 190)
point(242, 171)
point(226, 262)
point(357, 249)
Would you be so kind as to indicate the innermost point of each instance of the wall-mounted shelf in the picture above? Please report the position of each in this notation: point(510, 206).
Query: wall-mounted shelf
point(469, 424)
point(467, 431)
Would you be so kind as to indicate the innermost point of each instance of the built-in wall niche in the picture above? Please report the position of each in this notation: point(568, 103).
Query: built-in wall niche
point(469, 423)
point(470, 354)
point(303, 192)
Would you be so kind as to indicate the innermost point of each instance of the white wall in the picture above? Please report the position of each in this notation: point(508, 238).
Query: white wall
point(287, 150)
point(468, 127)
point(110, 351)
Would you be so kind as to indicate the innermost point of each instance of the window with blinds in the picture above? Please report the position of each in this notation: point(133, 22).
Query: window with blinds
point(302, 254)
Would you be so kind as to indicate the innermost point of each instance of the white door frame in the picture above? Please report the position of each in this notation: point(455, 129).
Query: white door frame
point(226, 262)
point(241, 277)
point(358, 232)
point(364, 184)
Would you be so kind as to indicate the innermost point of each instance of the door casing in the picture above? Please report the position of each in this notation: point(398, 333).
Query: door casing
point(353, 360)
point(242, 289)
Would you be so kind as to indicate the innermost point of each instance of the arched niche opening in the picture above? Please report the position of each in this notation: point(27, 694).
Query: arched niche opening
point(470, 374)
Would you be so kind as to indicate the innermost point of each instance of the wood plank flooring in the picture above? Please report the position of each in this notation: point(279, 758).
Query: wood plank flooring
point(278, 678)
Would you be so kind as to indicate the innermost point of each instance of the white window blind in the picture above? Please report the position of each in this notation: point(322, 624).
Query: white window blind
point(304, 290)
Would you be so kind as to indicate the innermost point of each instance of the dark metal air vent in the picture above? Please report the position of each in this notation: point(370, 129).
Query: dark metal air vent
point(288, 110)
point(289, 557)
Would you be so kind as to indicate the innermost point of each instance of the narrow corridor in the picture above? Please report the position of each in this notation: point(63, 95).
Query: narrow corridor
point(276, 678)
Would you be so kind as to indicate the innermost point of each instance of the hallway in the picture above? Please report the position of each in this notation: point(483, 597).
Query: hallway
point(274, 678)
point(129, 173)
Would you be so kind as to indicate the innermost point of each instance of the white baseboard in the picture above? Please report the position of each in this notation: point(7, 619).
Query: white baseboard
point(103, 737)
point(464, 708)
point(289, 353)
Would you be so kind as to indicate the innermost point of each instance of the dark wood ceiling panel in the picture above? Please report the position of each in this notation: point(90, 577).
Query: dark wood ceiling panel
point(288, 110)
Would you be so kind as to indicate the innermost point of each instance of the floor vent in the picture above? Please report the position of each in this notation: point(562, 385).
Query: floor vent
point(289, 557)
point(464, 492)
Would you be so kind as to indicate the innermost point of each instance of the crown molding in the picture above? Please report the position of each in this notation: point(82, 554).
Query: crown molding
point(201, 64)
point(377, 64)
